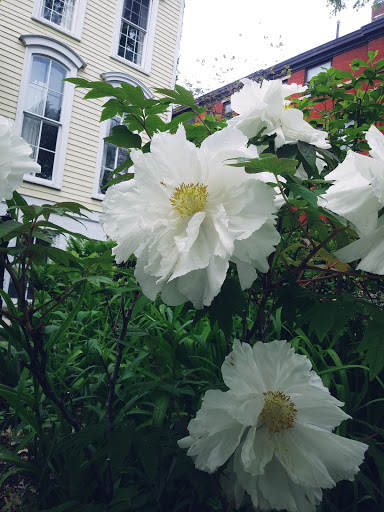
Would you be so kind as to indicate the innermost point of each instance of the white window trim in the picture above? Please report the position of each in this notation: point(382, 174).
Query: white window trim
point(146, 63)
point(114, 78)
point(77, 23)
point(48, 47)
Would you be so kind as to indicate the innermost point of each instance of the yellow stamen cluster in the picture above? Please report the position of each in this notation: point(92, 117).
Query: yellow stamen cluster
point(189, 199)
point(278, 413)
point(286, 106)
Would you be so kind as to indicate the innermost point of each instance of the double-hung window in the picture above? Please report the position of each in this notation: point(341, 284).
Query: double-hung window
point(64, 15)
point(110, 156)
point(113, 156)
point(43, 112)
point(45, 104)
point(134, 32)
point(59, 12)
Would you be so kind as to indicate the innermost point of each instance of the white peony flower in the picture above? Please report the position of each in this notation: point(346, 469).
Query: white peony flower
point(358, 195)
point(274, 425)
point(14, 158)
point(264, 106)
point(186, 214)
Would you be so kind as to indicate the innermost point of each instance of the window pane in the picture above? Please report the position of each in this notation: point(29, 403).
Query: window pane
point(31, 131)
point(48, 136)
point(35, 99)
point(109, 156)
point(136, 11)
point(58, 73)
point(105, 176)
point(311, 72)
point(53, 106)
point(69, 7)
point(59, 12)
point(131, 43)
point(45, 159)
point(39, 71)
point(122, 155)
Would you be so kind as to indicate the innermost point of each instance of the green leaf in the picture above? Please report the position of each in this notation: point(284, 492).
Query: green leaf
point(373, 345)
point(308, 153)
point(124, 138)
point(10, 226)
point(79, 82)
point(159, 409)
point(266, 164)
point(304, 192)
point(99, 90)
point(110, 109)
point(230, 301)
point(57, 335)
point(180, 96)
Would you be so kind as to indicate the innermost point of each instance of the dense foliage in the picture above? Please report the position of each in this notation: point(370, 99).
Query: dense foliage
point(98, 383)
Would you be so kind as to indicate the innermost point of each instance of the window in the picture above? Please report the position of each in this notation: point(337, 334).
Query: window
point(227, 110)
point(42, 112)
point(64, 15)
point(134, 32)
point(315, 70)
point(45, 103)
point(110, 156)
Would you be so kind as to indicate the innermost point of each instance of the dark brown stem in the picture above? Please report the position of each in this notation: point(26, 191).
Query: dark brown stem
point(119, 353)
point(317, 248)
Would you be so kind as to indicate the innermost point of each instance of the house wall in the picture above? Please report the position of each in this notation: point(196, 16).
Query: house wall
point(343, 60)
point(95, 49)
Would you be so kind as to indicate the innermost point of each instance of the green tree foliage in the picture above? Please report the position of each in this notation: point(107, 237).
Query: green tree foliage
point(339, 5)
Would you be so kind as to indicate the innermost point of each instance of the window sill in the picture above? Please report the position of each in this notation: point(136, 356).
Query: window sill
point(57, 28)
point(131, 64)
point(40, 181)
point(98, 197)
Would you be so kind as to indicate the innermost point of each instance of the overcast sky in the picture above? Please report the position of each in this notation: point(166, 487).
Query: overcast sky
point(254, 34)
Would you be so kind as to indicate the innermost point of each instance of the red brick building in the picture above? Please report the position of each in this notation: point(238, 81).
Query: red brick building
point(299, 69)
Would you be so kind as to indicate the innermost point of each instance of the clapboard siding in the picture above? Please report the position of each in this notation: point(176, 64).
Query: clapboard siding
point(95, 48)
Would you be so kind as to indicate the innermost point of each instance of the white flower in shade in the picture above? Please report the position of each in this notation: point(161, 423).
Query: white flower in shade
point(358, 195)
point(14, 158)
point(274, 425)
point(264, 106)
point(369, 249)
point(186, 214)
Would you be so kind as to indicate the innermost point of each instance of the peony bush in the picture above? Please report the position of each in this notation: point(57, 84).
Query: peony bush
point(252, 246)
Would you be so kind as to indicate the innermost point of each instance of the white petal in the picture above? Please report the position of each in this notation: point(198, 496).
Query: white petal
point(14, 158)
point(314, 457)
point(257, 450)
point(375, 139)
point(241, 372)
point(281, 493)
point(214, 434)
point(370, 249)
point(313, 409)
point(256, 248)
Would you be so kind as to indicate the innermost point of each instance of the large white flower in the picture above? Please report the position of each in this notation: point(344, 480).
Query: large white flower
point(358, 195)
point(274, 425)
point(186, 214)
point(264, 106)
point(14, 158)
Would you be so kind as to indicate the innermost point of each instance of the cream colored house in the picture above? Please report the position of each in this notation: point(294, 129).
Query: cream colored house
point(44, 41)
